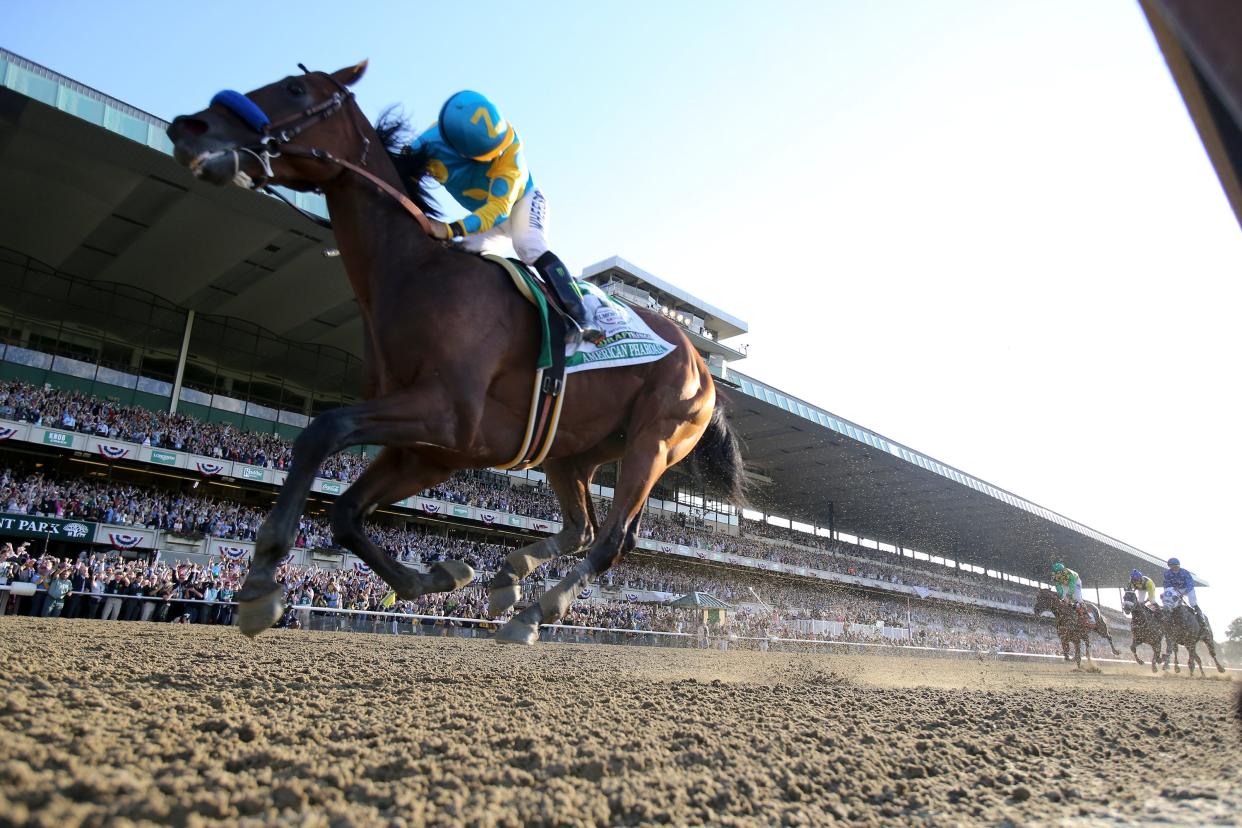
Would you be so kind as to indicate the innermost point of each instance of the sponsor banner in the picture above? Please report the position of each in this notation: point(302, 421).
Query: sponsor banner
point(461, 511)
point(125, 537)
point(249, 472)
point(233, 550)
point(63, 439)
point(514, 520)
point(164, 457)
point(32, 526)
point(331, 487)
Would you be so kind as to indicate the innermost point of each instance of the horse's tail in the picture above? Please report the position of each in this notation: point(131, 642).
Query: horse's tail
point(717, 459)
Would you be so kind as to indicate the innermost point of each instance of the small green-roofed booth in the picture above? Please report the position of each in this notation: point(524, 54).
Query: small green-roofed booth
point(714, 610)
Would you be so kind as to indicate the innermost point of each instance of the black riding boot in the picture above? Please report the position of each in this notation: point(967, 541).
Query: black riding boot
point(554, 272)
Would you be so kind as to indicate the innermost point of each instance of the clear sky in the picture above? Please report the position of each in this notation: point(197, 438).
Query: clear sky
point(985, 229)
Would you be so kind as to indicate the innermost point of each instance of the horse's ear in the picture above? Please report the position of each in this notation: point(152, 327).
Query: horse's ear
point(350, 75)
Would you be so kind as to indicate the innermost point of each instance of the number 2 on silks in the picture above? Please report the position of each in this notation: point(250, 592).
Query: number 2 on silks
point(492, 130)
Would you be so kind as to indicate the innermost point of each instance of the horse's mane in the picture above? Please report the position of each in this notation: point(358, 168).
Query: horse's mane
point(394, 132)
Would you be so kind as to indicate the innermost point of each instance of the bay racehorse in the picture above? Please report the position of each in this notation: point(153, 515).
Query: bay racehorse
point(449, 357)
point(1182, 627)
point(1072, 627)
point(1146, 626)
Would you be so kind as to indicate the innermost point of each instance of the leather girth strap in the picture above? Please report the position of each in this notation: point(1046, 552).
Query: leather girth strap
point(548, 392)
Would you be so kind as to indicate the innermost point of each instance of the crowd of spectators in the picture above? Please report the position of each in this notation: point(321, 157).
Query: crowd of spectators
point(86, 414)
point(190, 513)
point(108, 587)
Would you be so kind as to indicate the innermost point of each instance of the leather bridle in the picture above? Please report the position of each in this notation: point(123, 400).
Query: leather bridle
point(276, 140)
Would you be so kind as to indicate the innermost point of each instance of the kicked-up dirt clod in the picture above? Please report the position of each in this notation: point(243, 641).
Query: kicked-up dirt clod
point(110, 723)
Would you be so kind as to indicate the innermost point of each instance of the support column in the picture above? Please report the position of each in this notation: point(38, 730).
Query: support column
point(185, 351)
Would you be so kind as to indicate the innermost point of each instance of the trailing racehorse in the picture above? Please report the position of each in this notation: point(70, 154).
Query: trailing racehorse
point(449, 354)
point(1182, 627)
point(1146, 626)
point(1071, 626)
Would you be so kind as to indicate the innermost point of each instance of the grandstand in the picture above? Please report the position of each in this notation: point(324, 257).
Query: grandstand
point(152, 379)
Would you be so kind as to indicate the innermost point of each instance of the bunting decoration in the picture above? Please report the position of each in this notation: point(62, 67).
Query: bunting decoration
point(124, 540)
point(361, 568)
point(209, 468)
point(6, 432)
point(112, 452)
point(233, 553)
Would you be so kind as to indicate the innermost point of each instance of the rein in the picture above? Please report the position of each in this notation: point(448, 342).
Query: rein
point(276, 141)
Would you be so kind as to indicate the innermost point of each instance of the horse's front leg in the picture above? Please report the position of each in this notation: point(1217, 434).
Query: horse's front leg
point(406, 419)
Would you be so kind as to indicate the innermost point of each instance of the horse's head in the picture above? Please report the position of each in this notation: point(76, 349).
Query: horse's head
point(248, 139)
point(1045, 601)
point(1128, 601)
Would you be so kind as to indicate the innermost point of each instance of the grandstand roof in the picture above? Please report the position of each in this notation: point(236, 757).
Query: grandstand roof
point(91, 189)
point(886, 491)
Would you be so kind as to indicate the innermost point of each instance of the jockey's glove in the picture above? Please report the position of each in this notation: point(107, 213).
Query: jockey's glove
point(440, 230)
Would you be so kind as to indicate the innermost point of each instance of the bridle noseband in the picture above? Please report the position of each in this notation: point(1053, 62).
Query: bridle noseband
point(276, 140)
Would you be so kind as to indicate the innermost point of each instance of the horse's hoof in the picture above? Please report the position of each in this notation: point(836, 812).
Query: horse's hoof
point(1220, 669)
point(1177, 669)
point(446, 576)
point(256, 615)
point(521, 563)
point(503, 598)
point(517, 631)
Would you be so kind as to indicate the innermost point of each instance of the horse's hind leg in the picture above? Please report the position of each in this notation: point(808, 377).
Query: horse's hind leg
point(665, 437)
point(393, 475)
point(1211, 647)
point(570, 478)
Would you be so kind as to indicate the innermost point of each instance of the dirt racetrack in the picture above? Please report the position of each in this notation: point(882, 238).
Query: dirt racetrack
point(106, 723)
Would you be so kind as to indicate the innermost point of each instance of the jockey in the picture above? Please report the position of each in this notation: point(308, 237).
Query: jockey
point(1141, 584)
point(1068, 583)
point(1181, 580)
point(477, 156)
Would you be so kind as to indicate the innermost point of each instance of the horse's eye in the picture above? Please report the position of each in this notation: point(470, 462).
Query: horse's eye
point(296, 89)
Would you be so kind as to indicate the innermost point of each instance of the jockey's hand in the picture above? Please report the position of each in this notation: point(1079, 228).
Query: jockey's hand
point(440, 230)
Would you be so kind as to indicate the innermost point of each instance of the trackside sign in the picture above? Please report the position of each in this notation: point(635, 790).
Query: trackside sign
point(31, 526)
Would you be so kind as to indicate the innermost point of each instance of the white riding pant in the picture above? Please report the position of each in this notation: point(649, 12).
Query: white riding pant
point(525, 229)
point(1190, 597)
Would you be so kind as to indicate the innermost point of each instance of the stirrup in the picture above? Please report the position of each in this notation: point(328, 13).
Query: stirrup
point(576, 334)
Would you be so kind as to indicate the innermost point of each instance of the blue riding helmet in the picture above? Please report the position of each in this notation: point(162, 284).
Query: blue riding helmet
point(1174, 562)
point(1135, 575)
point(474, 127)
